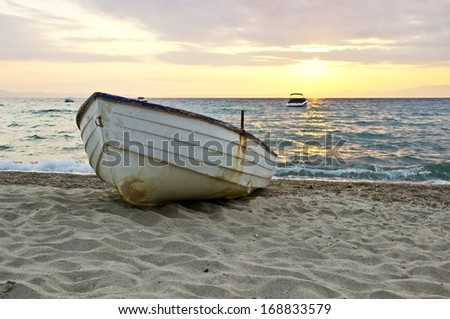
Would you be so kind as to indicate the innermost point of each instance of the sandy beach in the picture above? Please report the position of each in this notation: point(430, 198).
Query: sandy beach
point(71, 236)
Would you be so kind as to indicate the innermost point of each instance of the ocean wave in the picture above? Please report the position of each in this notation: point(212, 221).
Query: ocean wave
point(5, 147)
point(428, 172)
point(56, 166)
point(15, 125)
point(36, 137)
point(441, 170)
point(46, 111)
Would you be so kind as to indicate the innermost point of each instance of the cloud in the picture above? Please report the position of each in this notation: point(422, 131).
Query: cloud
point(27, 39)
point(235, 32)
point(19, 38)
point(418, 31)
point(220, 59)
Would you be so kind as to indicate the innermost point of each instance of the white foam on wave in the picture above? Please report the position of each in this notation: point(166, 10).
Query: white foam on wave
point(56, 166)
point(360, 173)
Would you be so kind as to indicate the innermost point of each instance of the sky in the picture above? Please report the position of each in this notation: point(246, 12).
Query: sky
point(225, 48)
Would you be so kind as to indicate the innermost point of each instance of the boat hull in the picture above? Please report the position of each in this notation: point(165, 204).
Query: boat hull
point(153, 154)
point(296, 104)
point(297, 100)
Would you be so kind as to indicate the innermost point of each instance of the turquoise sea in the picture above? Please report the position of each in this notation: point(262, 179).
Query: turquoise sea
point(344, 139)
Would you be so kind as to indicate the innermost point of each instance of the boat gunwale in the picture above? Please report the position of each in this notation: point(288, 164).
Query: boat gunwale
point(153, 106)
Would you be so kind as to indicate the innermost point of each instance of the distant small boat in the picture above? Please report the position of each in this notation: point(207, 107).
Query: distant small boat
point(68, 100)
point(153, 154)
point(296, 100)
point(143, 99)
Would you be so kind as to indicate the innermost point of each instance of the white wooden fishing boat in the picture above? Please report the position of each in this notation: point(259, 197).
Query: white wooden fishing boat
point(296, 100)
point(154, 154)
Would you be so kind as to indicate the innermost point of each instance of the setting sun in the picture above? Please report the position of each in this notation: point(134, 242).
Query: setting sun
point(314, 68)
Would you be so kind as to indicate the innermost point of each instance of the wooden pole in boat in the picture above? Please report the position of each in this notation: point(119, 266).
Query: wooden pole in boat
point(242, 119)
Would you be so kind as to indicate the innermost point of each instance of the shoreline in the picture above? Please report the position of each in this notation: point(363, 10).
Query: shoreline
point(71, 236)
point(378, 190)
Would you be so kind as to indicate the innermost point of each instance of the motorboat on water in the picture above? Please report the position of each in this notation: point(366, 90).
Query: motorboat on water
point(152, 154)
point(142, 99)
point(296, 100)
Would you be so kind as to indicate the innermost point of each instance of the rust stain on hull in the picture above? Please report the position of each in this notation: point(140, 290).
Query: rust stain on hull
point(241, 151)
point(134, 191)
point(138, 192)
point(234, 174)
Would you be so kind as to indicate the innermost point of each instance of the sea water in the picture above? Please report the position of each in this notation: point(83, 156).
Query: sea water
point(351, 139)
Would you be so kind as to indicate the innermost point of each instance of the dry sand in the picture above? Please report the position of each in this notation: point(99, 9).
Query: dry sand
point(71, 236)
